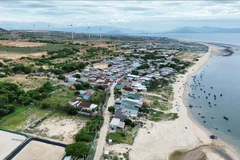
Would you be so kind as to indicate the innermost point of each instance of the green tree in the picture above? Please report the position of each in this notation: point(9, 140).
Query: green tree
point(78, 150)
point(135, 72)
point(24, 99)
point(83, 136)
point(71, 110)
point(77, 76)
point(111, 109)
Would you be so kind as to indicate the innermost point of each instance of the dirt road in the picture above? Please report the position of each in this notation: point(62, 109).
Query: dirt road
point(104, 129)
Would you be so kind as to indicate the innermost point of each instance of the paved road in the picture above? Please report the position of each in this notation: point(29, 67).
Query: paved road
point(105, 126)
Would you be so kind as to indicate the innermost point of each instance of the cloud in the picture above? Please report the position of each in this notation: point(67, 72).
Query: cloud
point(135, 14)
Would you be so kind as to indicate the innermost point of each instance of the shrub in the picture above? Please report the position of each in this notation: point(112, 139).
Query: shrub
point(78, 149)
point(83, 136)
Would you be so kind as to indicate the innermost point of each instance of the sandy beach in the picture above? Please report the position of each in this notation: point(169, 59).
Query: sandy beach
point(181, 134)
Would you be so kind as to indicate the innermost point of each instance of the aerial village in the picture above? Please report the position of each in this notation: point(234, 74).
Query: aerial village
point(113, 95)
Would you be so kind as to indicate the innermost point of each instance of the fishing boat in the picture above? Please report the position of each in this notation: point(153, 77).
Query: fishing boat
point(226, 118)
point(213, 137)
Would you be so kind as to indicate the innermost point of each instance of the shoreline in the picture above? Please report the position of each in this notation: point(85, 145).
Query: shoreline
point(213, 49)
point(158, 140)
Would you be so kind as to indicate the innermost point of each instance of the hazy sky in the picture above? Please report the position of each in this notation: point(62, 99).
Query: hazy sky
point(141, 15)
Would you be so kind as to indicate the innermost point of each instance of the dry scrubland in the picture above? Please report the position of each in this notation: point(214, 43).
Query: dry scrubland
point(40, 151)
point(27, 83)
point(15, 56)
point(21, 44)
point(8, 142)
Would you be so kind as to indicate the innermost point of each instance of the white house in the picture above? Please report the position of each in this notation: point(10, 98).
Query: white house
point(116, 123)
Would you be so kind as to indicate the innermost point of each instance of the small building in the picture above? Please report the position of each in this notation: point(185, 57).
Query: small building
point(86, 106)
point(116, 123)
point(119, 113)
point(71, 79)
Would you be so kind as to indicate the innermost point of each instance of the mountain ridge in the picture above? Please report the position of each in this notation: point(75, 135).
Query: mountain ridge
point(204, 29)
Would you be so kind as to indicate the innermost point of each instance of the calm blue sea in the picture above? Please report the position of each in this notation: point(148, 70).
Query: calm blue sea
point(223, 75)
point(226, 38)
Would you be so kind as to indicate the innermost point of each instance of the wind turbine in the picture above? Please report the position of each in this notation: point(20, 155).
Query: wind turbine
point(48, 30)
point(34, 29)
point(64, 31)
point(89, 27)
point(72, 27)
point(100, 36)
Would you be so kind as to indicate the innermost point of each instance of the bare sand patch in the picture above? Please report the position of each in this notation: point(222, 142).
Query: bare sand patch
point(100, 65)
point(8, 142)
point(62, 129)
point(40, 151)
point(8, 55)
point(21, 44)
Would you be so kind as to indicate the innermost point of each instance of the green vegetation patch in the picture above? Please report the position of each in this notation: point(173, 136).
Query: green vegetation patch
point(127, 136)
point(47, 47)
point(163, 106)
point(158, 116)
point(22, 117)
point(176, 155)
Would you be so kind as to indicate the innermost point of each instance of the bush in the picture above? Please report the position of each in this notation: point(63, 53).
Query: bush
point(111, 109)
point(83, 136)
point(78, 149)
point(45, 105)
point(71, 110)
point(3, 75)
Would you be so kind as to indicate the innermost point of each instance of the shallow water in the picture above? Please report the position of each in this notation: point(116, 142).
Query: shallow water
point(223, 75)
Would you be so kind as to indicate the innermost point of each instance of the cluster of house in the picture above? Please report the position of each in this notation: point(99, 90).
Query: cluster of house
point(82, 106)
point(163, 44)
point(126, 107)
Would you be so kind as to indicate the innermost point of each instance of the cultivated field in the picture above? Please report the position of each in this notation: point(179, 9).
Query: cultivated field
point(8, 142)
point(62, 129)
point(40, 151)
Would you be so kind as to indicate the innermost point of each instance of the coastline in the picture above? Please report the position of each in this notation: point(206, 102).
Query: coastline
point(158, 140)
point(213, 50)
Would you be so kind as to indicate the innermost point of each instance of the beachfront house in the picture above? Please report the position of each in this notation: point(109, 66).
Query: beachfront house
point(116, 124)
point(129, 111)
point(119, 113)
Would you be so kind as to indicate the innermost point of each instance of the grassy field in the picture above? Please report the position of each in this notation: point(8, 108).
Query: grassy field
point(61, 97)
point(163, 106)
point(47, 47)
point(158, 116)
point(22, 117)
point(127, 136)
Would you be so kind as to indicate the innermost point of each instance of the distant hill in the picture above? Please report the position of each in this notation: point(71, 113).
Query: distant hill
point(115, 32)
point(205, 29)
point(2, 30)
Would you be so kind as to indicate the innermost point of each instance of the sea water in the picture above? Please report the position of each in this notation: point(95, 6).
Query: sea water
point(221, 75)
